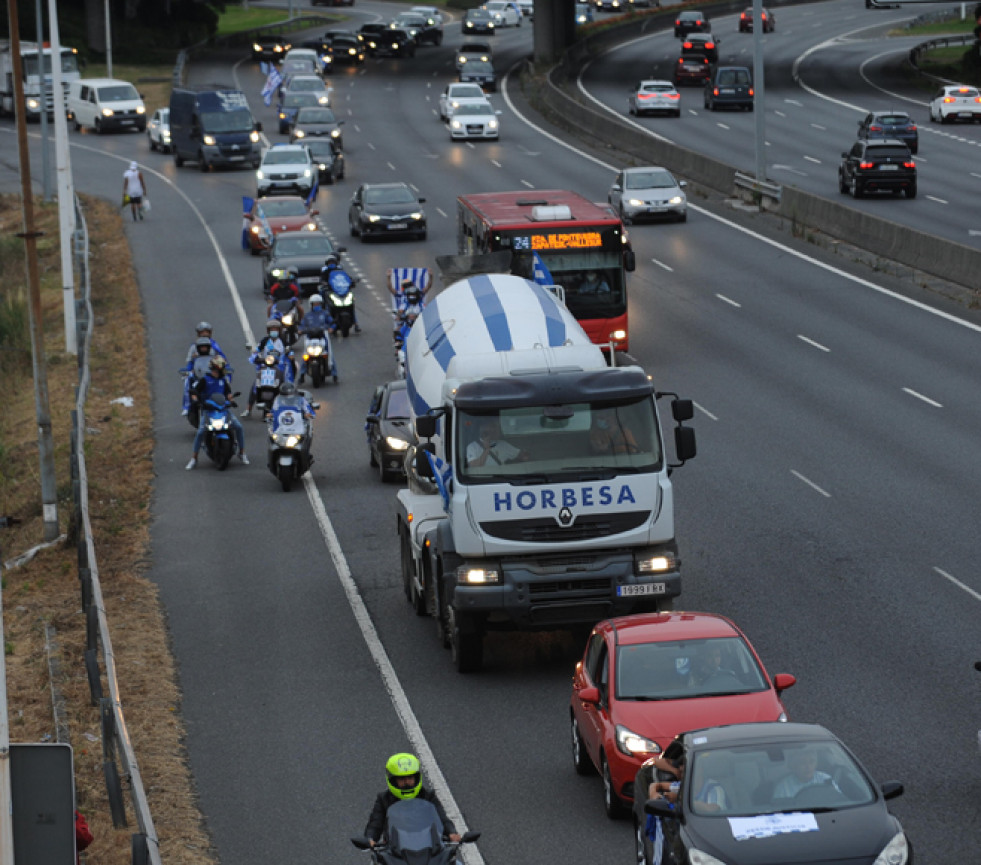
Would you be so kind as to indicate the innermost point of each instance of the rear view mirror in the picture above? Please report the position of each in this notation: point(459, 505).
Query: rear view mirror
point(682, 409)
point(426, 426)
point(684, 442)
point(424, 467)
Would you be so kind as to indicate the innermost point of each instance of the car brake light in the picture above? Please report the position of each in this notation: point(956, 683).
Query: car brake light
point(948, 99)
point(910, 164)
point(977, 98)
point(677, 23)
point(866, 165)
point(715, 91)
point(875, 129)
point(743, 17)
point(686, 45)
point(912, 127)
point(750, 91)
point(674, 96)
point(710, 45)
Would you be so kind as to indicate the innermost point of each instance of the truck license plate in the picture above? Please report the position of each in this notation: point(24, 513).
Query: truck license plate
point(641, 589)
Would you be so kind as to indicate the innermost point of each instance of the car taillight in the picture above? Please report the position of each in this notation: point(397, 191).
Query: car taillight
point(674, 96)
point(715, 91)
point(677, 23)
point(948, 99)
point(686, 46)
point(750, 91)
point(866, 165)
point(710, 45)
point(646, 95)
point(977, 98)
point(743, 17)
point(875, 129)
point(910, 164)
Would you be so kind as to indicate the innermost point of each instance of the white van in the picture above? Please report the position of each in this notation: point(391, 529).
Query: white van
point(105, 103)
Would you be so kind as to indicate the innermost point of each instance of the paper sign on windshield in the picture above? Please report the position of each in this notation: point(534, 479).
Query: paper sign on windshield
point(768, 825)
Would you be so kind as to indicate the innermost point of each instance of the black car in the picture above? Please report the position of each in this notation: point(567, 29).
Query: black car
point(369, 35)
point(729, 87)
point(386, 209)
point(746, 21)
point(478, 21)
point(877, 165)
point(304, 250)
point(479, 72)
point(771, 792)
point(388, 430)
point(392, 42)
point(313, 122)
point(691, 21)
point(691, 69)
point(346, 49)
point(328, 158)
point(424, 30)
point(701, 43)
point(270, 48)
point(890, 124)
point(289, 104)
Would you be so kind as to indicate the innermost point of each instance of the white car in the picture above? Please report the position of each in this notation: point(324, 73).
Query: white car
point(455, 94)
point(308, 84)
point(286, 168)
point(955, 102)
point(652, 95)
point(475, 120)
point(506, 13)
point(527, 8)
point(158, 130)
point(433, 12)
point(648, 193)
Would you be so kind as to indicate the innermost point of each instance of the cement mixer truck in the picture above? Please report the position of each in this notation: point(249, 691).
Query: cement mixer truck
point(539, 495)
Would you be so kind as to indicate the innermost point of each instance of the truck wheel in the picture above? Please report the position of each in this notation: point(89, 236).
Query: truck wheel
point(178, 159)
point(466, 643)
point(412, 595)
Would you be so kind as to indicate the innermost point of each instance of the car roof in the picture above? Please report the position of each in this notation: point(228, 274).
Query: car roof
point(391, 184)
point(765, 731)
point(660, 81)
point(664, 627)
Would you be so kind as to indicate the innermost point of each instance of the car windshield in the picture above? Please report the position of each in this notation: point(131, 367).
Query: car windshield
point(406, 20)
point(887, 153)
point(69, 62)
point(311, 244)
point(654, 178)
point(690, 16)
point(473, 108)
point(466, 91)
point(685, 669)
point(567, 441)
point(389, 195)
point(235, 120)
point(118, 93)
point(315, 115)
point(299, 65)
point(344, 42)
point(298, 100)
point(320, 148)
point(282, 207)
point(478, 15)
point(656, 88)
point(307, 84)
point(788, 777)
point(731, 77)
point(398, 404)
point(284, 157)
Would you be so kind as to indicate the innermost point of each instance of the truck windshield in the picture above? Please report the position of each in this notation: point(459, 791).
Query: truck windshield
point(542, 444)
point(69, 63)
point(235, 120)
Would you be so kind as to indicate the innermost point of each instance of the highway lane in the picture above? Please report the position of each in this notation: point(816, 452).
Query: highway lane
point(826, 66)
point(287, 717)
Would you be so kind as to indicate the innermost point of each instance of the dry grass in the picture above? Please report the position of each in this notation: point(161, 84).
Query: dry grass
point(46, 590)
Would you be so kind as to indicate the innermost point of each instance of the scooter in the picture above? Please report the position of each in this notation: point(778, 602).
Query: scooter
point(219, 441)
point(198, 371)
point(288, 456)
point(288, 314)
point(269, 376)
point(338, 290)
point(414, 834)
point(318, 358)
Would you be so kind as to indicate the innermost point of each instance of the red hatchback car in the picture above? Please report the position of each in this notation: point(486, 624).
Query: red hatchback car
point(646, 678)
point(273, 214)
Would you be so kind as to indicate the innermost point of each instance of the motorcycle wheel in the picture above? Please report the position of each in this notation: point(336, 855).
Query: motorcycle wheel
point(345, 330)
point(285, 475)
point(317, 376)
point(223, 453)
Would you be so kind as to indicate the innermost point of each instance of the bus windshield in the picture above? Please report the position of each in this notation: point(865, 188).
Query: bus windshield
point(593, 281)
point(557, 442)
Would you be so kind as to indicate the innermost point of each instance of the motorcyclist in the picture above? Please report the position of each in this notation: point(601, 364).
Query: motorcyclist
point(403, 324)
point(404, 775)
point(203, 389)
point(332, 266)
point(317, 322)
point(290, 397)
point(200, 348)
point(286, 288)
point(269, 343)
point(204, 330)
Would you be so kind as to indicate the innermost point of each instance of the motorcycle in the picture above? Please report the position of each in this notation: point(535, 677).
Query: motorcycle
point(288, 456)
point(317, 357)
point(219, 441)
point(269, 376)
point(414, 835)
point(338, 290)
point(197, 371)
point(288, 314)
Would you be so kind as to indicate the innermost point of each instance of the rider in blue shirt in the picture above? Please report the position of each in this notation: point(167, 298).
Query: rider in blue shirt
point(214, 382)
point(317, 322)
point(335, 277)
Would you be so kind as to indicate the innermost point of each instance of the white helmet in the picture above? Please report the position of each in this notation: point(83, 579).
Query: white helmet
point(316, 298)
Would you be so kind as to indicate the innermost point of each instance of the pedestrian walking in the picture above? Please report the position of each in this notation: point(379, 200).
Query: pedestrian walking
point(134, 190)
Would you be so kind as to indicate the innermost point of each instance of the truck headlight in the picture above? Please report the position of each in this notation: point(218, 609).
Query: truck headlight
point(656, 564)
point(254, 137)
point(467, 576)
point(259, 175)
point(107, 112)
point(33, 103)
point(141, 109)
point(208, 140)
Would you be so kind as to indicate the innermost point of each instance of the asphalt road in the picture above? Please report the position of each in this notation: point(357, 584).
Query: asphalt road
point(834, 490)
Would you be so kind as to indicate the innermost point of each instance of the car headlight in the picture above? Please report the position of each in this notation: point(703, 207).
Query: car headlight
point(677, 199)
point(165, 136)
point(456, 124)
point(324, 100)
point(657, 564)
point(258, 174)
point(396, 444)
point(477, 576)
point(896, 852)
point(635, 202)
point(310, 226)
point(208, 139)
point(256, 47)
point(107, 112)
point(492, 124)
point(372, 217)
point(254, 137)
point(255, 229)
point(298, 133)
point(461, 59)
point(416, 215)
point(335, 133)
point(307, 172)
point(634, 745)
point(33, 103)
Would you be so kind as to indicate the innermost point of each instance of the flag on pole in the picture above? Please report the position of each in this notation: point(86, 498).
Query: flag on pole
point(443, 476)
point(541, 273)
point(273, 80)
point(246, 210)
point(312, 197)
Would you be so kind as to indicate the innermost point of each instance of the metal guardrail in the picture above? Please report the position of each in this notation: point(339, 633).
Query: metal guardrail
point(942, 42)
point(116, 744)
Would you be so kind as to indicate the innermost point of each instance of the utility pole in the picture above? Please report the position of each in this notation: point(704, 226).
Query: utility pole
point(49, 492)
point(45, 162)
point(108, 11)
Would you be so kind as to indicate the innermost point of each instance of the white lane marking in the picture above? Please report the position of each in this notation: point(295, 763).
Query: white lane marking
point(390, 165)
point(721, 125)
point(811, 484)
point(662, 264)
point(920, 396)
point(729, 300)
point(704, 411)
point(794, 102)
point(958, 583)
point(938, 200)
point(812, 159)
point(441, 212)
point(528, 184)
point(809, 341)
point(495, 163)
point(400, 700)
point(779, 113)
point(819, 126)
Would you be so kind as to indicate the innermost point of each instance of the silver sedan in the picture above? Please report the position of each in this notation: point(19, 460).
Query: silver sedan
point(653, 96)
point(648, 193)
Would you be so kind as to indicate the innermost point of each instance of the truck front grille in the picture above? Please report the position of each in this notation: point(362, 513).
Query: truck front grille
point(548, 530)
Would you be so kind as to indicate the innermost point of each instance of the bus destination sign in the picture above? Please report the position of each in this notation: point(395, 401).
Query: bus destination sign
point(552, 241)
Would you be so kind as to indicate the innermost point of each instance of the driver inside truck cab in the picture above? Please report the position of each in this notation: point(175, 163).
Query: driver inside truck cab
point(489, 449)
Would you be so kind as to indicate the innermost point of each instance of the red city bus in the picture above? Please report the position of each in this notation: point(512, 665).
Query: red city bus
point(582, 244)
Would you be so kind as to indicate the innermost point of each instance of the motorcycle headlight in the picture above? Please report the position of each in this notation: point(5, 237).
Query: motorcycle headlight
point(634, 745)
point(288, 319)
point(396, 444)
point(218, 423)
point(286, 441)
point(314, 351)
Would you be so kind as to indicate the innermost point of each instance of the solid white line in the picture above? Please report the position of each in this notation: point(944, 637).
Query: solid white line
point(959, 584)
point(495, 163)
point(526, 183)
point(662, 264)
point(812, 342)
point(938, 200)
point(730, 301)
point(811, 484)
point(704, 411)
point(812, 159)
point(441, 212)
point(390, 679)
point(920, 396)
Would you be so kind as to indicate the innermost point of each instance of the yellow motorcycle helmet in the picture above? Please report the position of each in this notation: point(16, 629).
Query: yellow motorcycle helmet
point(404, 775)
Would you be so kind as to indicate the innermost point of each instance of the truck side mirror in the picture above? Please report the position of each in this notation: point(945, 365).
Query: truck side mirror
point(684, 443)
point(424, 468)
point(425, 426)
point(682, 409)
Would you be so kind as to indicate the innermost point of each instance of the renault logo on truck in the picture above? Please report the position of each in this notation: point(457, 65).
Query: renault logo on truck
point(565, 517)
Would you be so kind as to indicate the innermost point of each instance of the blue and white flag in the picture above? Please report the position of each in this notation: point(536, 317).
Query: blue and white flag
point(443, 476)
point(312, 197)
point(541, 273)
point(273, 80)
point(246, 210)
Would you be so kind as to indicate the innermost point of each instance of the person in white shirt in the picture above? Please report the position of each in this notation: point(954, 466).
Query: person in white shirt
point(489, 449)
point(134, 187)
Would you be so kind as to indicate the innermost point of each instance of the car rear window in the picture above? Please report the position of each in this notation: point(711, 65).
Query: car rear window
point(886, 152)
point(893, 119)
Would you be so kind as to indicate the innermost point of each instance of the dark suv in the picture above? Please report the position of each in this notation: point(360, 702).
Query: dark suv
point(424, 30)
point(890, 124)
point(691, 21)
point(729, 87)
point(873, 166)
point(381, 40)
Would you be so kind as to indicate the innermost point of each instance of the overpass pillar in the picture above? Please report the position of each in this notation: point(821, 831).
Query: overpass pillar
point(555, 29)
